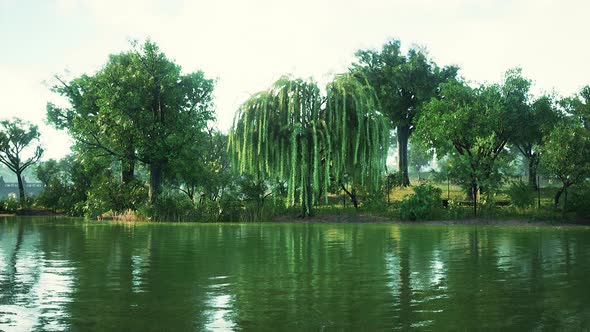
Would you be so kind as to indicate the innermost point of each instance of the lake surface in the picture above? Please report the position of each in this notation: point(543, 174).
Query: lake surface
point(64, 274)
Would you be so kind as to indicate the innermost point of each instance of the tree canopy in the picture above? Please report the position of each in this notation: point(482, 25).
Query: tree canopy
point(404, 83)
point(291, 132)
point(16, 136)
point(138, 107)
point(475, 122)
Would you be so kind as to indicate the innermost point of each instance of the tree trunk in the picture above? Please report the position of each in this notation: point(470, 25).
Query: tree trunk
point(564, 211)
point(474, 193)
point(533, 165)
point(156, 168)
point(557, 196)
point(21, 188)
point(309, 198)
point(352, 196)
point(403, 134)
point(307, 204)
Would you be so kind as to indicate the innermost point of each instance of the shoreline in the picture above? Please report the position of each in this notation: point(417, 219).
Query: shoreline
point(372, 219)
point(353, 219)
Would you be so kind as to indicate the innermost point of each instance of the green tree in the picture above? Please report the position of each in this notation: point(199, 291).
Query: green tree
point(16, 136)
point(292, 133)
point(139, 107)
point(203, 169)
point(404, 84)
point(566, 155)
point(474, 123)
point(577, 108)
point(535, 118)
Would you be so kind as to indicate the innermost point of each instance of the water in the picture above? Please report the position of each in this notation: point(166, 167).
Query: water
point(67, 275)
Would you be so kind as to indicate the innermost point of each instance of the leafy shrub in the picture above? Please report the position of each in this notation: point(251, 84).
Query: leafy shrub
point(454, 211)
point(375, 202)
point(521, 194)
point(109, 195)
point(10, 205)
point(424, 204)
point(579, 199)
point(173, 207)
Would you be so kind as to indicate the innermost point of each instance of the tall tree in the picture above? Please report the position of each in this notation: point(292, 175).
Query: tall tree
point(404, 84)
point(15, 137)
point(292, 133)
point(139, 107)
point(535, 118)
point(473, 122)
point(566, 155)
point(577, 108)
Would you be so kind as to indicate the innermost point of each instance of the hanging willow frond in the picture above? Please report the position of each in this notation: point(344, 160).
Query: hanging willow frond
point(285, 133)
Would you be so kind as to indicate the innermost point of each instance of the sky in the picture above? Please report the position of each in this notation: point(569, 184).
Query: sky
point(247, 45)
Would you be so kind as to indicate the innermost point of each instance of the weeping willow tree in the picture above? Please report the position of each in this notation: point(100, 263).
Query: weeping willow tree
point(359, 133)
point(292, 133)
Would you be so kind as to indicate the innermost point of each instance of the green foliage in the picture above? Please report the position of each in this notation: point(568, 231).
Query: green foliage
point(424, 204)
point(254, 191)
point(580, 198)
point(138, 107)
point(521, 194)
point(109, 195)
point(566, 154)
point(173, 207)
point(535, 117)
point(288, 133)
point(10, 205)
point(374, 202)
point(404, 83)
point(474, 126)
point(419, 155)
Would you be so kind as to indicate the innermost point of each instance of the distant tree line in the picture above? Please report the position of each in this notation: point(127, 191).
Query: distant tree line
point(144, 141)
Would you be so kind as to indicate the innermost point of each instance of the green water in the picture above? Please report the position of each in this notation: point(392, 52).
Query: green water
point(58, 274)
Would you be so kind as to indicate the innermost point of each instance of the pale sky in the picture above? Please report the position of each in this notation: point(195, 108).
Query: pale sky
point(246, 45)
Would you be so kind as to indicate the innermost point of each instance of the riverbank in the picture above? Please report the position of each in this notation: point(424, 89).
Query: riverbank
point(360, 218)
point(368, 218)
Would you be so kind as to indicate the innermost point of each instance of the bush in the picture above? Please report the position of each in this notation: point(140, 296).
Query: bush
point(579, 198)
point(171, 206)
point(521, 194)
point(424, 204)
point(10, 205)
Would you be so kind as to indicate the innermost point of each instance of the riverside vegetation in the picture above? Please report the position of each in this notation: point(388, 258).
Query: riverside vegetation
point(144, 146)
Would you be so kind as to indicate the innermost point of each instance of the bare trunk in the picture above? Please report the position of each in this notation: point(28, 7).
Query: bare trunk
point(352, 196)
point(21, 188)
point(533, 165)
point(403, 134)
point(155, 181)
point(557, 196)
